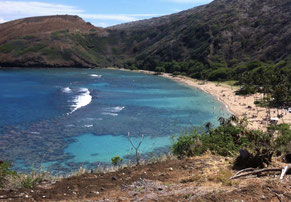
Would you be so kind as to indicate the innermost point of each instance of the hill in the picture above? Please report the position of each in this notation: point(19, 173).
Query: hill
point(44, 41)
point(42, 25)
point(220, 36)
point(204, 178)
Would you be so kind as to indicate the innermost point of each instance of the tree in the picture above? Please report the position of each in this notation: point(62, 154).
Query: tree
point(137, 151)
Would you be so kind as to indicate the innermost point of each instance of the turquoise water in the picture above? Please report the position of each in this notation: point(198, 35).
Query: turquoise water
point(89, 144)
point(66, 118)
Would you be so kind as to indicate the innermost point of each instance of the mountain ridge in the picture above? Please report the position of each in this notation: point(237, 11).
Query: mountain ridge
point(221, 34)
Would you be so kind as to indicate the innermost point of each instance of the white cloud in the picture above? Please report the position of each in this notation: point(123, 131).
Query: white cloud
point(144, 15)
point(36, 8)
point(124, 18)
point(11, 10)
point(101, 24)
point(177, 10)
point(191, 1)
point(2, 20)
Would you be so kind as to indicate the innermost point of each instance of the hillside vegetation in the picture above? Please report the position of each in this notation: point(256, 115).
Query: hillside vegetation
point(217, 41)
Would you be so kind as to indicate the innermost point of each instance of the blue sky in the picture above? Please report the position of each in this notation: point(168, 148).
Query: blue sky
point(101, 13)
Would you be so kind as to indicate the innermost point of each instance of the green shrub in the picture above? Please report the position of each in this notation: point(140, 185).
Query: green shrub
point(30, 181)
point(117, 160)
point(229, 138)
point(188, 144)
point(29, 37)
point(67, 54)
point(5, 171)
point(175, 73)
point(160, 69)
point(223, 140)
point(132, 67)
point(283, 138)
point(246, 90)
point(6, 48)
point(220, 74)
point(50, 53)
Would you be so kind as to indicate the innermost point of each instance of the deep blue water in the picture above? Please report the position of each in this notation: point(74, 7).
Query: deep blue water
point(62, 119)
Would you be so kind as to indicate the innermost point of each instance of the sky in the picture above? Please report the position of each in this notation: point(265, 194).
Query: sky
point(101, 13)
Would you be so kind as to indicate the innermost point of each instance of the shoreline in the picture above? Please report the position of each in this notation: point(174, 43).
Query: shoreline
point(240, 106)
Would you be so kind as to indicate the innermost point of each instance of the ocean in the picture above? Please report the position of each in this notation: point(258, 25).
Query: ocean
point(63, 119)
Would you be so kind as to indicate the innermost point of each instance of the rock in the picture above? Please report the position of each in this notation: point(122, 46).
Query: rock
point(244, 154)
point(171, 169)
point(114, 178)
point(288, 158)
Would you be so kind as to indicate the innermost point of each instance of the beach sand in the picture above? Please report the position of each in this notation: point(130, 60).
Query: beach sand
point(240, 106)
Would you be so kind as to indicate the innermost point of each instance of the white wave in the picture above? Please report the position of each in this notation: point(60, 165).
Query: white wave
point(88, 126)
point(81, 100)
point(114, 109)
point(66, 90)
point(96, 75)
point(111, 114)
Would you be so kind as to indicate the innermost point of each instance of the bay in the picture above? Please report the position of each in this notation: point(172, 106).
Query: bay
point(62, 119)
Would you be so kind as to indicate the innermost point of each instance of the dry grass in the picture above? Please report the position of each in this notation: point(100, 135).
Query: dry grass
point(129, 164)
point(216, 173)
point(223, 176)
point(27, 180)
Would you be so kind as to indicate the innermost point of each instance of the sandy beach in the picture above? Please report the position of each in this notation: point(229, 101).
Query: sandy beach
point(240, 106)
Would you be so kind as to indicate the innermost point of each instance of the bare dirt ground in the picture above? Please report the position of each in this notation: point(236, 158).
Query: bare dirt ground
point(197, 179)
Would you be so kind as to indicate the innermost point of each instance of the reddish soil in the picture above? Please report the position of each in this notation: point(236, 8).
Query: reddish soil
point(198, 179)
point(43, 25)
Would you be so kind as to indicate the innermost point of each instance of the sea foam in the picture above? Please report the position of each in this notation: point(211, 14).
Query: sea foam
point(66, 90)
point(112, 111)
point(110, 114)
point(96, 75)
point(81, 100)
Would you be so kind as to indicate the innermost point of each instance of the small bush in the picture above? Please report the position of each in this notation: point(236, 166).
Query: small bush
point(283, 138)
point(220, 74)
point(160, 69)
point(6, 172)
point(246, 90)
point(176, 73)
point(229, 138)
point(223, 141)
point(29, 181)
point(189, 144)
point(132, 67)
point(117, 160)
point(6, 48)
